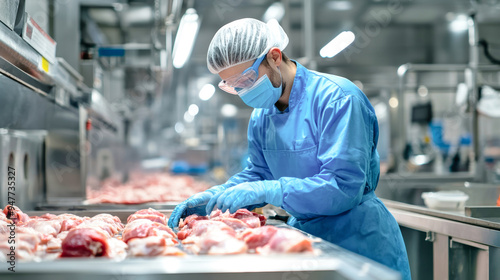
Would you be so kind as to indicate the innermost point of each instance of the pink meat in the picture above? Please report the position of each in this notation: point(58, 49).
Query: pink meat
point(45, 227)
point(152, 246)
point(216, 242)
point(3, 217)
point(258, 237)
point(25, 247)
point(54, 244)
point(286, 241)
point(144, 228)
point(112, 220)
point(85, 242)
point(252, 219)
point(203, 226)
point(117, 249)
point(189, 221)
point(142, 188)
point(15, 214)
point(149, 214)
point(237, 225)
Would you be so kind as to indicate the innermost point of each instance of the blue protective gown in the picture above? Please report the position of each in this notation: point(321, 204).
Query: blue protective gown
point(322, 149)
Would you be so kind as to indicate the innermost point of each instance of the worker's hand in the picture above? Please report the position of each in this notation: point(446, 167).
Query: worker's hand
point(248, 194)
point(196, 204)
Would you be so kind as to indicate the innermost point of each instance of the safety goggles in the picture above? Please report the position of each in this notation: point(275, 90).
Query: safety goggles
point(244, 80)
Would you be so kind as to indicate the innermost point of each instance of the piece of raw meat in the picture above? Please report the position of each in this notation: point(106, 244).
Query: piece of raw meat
point(286, 241)
point(189, 221)
point(144, 228)
point(117, 249)
point(254, 220)
point(152, 246)
point(258, 237)
point(15, 214)
point(149, 214)
point(85, 242)
point(217, 242)
point(110, 224)
point(54, 244)
point(200, 227)
point(25, 246)
point(45, 227)
point(143, 188)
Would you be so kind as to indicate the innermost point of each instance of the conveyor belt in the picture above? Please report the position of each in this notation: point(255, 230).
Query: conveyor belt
point(332, 263)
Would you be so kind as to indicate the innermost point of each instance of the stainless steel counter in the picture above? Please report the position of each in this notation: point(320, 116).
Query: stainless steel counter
point(463, 247)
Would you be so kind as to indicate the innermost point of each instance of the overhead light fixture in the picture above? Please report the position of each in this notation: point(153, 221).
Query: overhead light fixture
point(185, 37)
point(193, 110)
point(229, 110)
point(276, 11)
point(206, 92)
point(188, 117)
point(339, 5)
point(342, 41)
point(459, 24)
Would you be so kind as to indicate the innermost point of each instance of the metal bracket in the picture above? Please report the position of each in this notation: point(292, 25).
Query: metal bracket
point(429, 236)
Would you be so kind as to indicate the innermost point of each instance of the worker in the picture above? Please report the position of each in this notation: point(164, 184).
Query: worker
point(312, 141)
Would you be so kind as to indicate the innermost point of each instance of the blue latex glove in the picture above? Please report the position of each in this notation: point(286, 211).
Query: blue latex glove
point(196, 204)
point(248, 194)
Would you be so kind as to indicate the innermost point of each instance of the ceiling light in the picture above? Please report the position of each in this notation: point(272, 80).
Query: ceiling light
point(393, 102)
point(276, 11)
point(206, 92)
point(185, 37)
point(193, 110)
point(228, 110)
point(459, 24)
point(422, 91)
point(339, 5)
point(179, 127)
point(188, 117)
point(342, 41)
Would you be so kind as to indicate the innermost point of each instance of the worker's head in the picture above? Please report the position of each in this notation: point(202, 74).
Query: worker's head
point(246, 54)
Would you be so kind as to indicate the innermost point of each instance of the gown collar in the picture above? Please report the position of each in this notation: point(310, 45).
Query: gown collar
point(298, 89)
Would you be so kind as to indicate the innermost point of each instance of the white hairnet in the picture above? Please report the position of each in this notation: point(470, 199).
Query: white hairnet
point(243, 40)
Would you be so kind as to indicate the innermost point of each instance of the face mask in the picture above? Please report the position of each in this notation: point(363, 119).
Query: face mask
point(262, 94)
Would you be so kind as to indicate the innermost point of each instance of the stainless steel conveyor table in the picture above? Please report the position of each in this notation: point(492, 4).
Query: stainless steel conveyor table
point(333, 262)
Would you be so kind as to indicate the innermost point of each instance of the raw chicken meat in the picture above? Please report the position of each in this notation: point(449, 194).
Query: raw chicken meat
point(152, 246)
point(25, 246)
point(117, 249)
point(15, 214)
point(148, 214)
point(253, 220)
point(110, 224)
point(202, 226)
point(54, 244)
point(237, 225)
point(286, 241)
point(4, 227)
point(189, 221)
point(3, 217)
point(45, 227)
point(85, 242)
point(143, 188)
point(143, 228)
point(258, 237)
point(217, 242)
